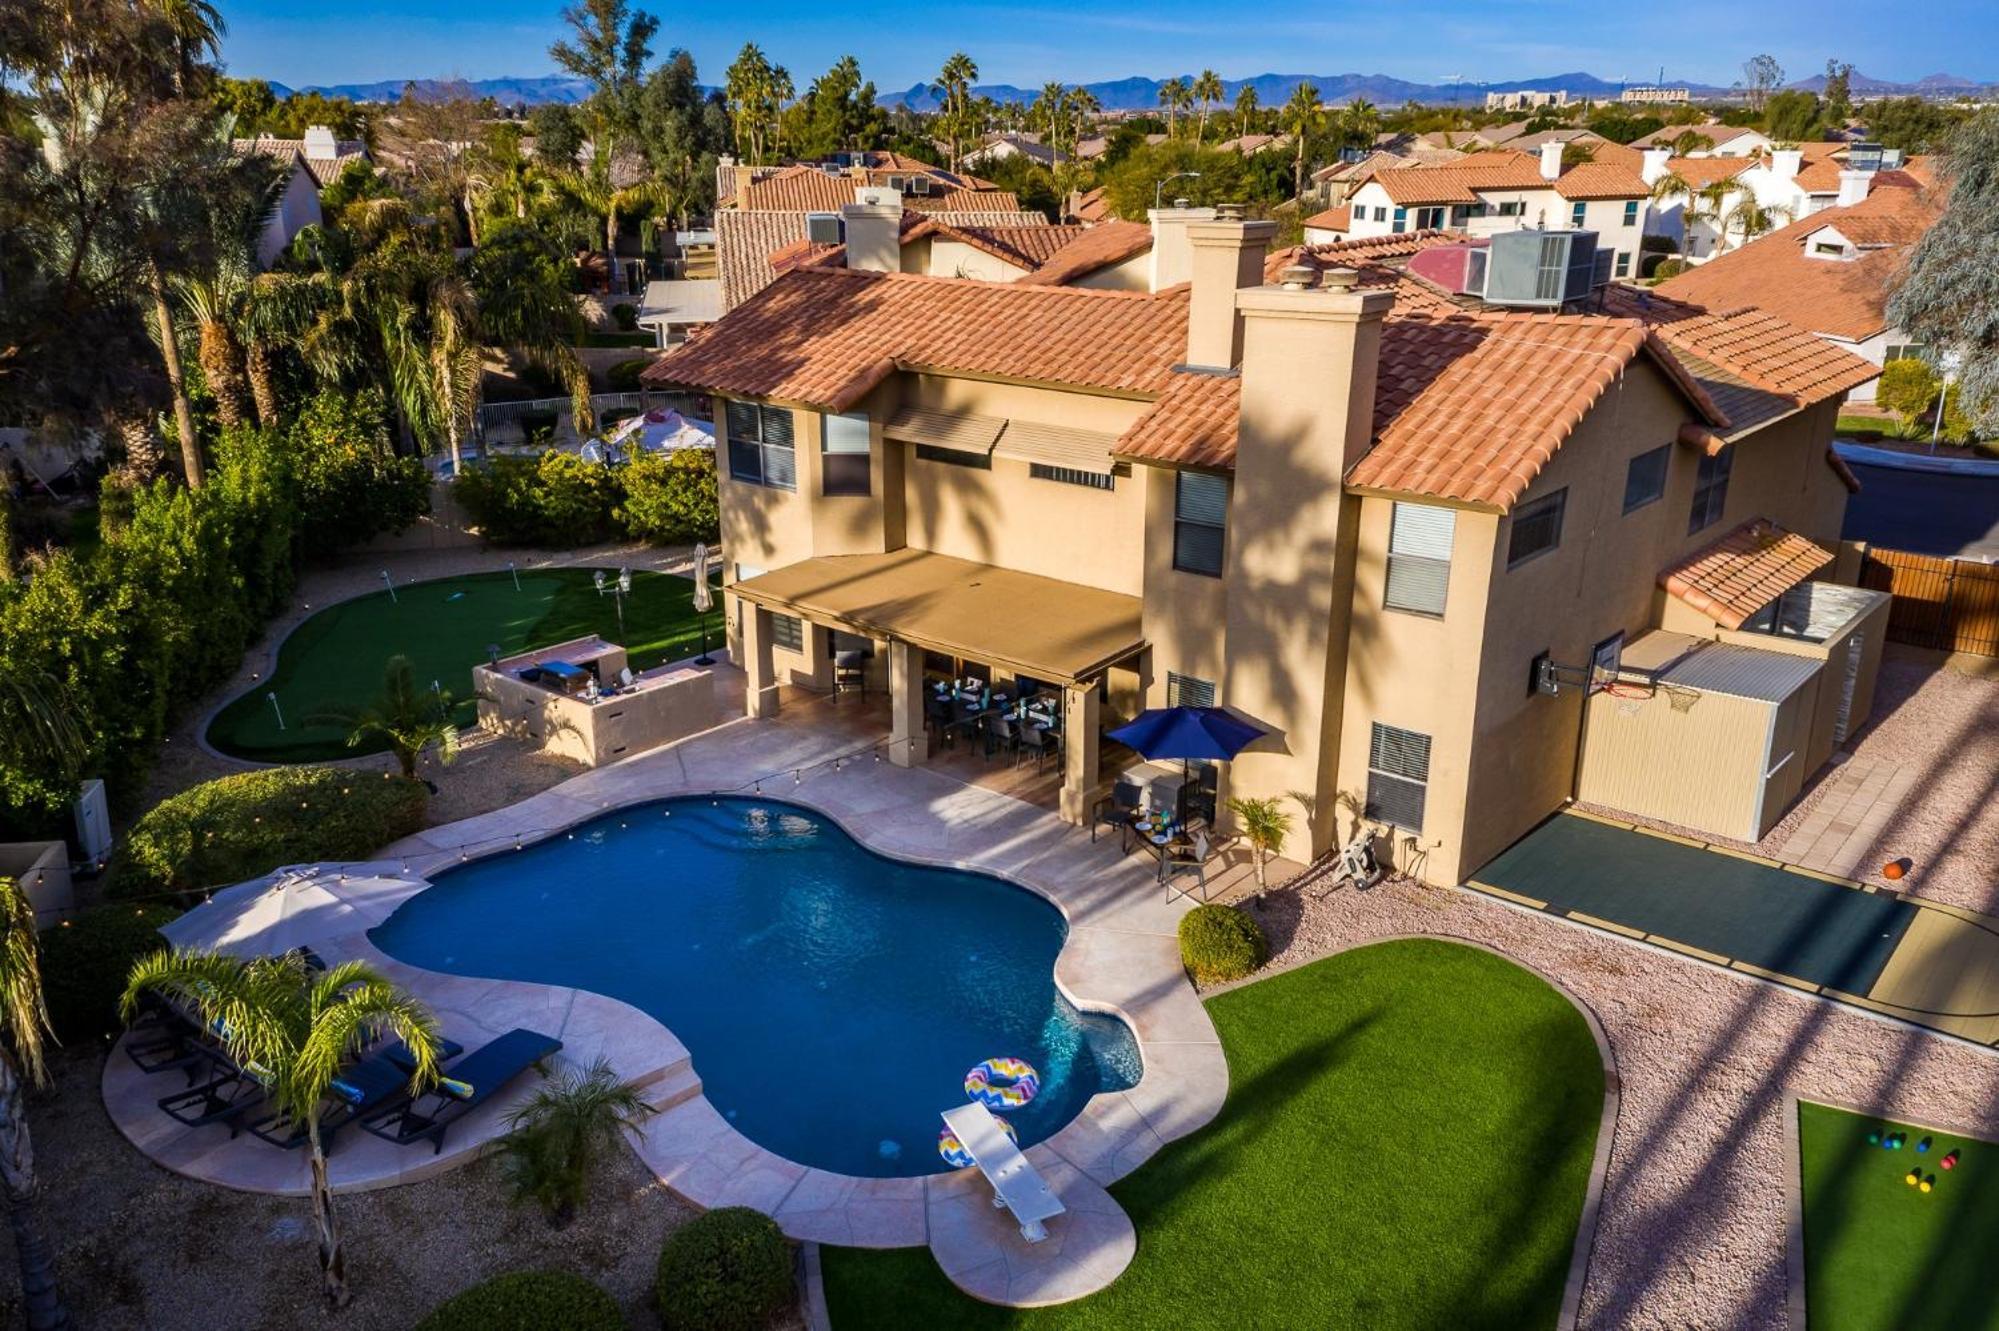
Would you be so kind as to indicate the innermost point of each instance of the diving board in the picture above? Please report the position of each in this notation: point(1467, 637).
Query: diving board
point(1016, 1184)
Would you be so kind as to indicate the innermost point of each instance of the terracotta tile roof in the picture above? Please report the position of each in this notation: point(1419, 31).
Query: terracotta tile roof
point(1717, 134)
point(1333, 219)
point(323, 170)
point(1193, 424)
point(824, 337)
point(808, 189)
point(1819, 177)
point(1744, 571)
point(1417, 185)
point(1845, 298)
point(1027, 245)
point(1600, 180)
point(753, 246)
point(1096, 248)
point(1699, 171)
point(1090, 206)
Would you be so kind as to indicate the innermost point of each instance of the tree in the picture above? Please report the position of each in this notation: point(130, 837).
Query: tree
point(1791, 116)
point(1360, 123)
point(556, 1136)
point(1208, 88)
point(1838, 94)
point(300, 1029)
point(609, 46)
point(1131, 186)
point(409, 716)
point(24, 1020)
point(1245, 109)
point(1265, 824)
point(1948, 295)
point(1749, 219)
point(1761, 76)
point(1690, 141)
point(1908, 387)
point(1176, 96)
point(756, 92)
point(1303, 119)
point(1912, 124)
point(954, 84)
point(558, 135)
point(837, 112)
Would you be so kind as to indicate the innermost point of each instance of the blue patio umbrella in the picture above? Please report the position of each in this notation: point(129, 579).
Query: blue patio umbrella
point(1187, 733)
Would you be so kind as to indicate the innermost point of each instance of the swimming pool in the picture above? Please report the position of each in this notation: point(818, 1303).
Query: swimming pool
point(832, 998)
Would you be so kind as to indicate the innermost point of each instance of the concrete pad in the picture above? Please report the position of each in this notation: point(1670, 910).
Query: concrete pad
point(979, 1246)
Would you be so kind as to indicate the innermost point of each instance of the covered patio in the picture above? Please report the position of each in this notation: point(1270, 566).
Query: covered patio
point(1017, 627)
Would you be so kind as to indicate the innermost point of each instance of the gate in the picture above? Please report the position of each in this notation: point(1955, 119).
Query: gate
point(1948, 604)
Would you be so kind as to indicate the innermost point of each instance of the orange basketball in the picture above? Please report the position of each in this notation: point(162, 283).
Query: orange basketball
point(1892, 870)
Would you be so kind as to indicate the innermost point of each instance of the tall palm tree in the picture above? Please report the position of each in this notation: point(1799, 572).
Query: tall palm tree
point(1750, 219)
point(1673, 186)
point(1359, 124)
point(299, 1029)
point(36, 717)
point(405, 713)
point(596, 192)
point(275, 311)
point(1175, 96)
point(197, 30)
point(211, 300)
point(1245, 109)
point(1303, 119)
point(1208, 87)
point(24, 1021)
point(954, 84)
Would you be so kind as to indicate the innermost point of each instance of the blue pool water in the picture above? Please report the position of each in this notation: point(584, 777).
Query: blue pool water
point(832, 999)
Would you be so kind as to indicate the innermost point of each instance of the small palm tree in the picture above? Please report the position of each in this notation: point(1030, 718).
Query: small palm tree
point(299, 1029)
point(555, 1138)
point(24, 1021)
point(1265, 824)
point(407, 715)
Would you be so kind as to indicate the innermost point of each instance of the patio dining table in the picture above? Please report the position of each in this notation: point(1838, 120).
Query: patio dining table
point(1159, 836)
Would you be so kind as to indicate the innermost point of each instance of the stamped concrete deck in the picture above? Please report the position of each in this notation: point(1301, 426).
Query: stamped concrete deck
point(1121, 957)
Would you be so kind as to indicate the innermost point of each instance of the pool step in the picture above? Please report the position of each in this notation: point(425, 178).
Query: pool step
point(672, 1086)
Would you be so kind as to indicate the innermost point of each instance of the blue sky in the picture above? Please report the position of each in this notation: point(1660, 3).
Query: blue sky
point(301, 42)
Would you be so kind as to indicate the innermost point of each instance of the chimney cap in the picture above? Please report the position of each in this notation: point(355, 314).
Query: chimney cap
point(1300, 277)
point(1230, 212)
point(1340, 279)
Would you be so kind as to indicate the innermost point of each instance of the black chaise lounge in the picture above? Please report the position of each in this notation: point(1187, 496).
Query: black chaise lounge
point(471, 1083)
point(225, 1097)
point(371, 1086)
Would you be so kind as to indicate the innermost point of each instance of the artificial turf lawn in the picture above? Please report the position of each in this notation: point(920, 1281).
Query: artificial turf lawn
point(1406, 1143)
point(335, 658)
point(1881, 1255)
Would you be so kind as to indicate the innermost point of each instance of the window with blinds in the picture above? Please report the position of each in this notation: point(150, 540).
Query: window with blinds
point(788, 632)
point(1537, 528)
point(1645, 477)
point(844, 466)
point(1188, 691)
point(1419, 558)
point(1398, 776)
point(1200, 523)
point(1710, 490)
point(760, 451)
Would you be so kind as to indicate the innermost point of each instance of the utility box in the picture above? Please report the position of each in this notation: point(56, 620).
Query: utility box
point(93, 823)
point(42, 870)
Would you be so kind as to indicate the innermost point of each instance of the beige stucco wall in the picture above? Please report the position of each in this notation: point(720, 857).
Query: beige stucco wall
point(1134, 274)
point(1700, 769)
point(954, 258)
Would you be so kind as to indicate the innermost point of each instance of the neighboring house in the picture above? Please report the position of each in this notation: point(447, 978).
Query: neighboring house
point(1309, 487)
point(948, 245)
point(1488, 192)
point(1787, 185)
point(322, 153)
point(1726, 140)
point(1086, 206)
point(314, 162)
point(1329, 227)
point(999, 147)
point(1829, 273)
point(674, 309)
point(1093, 147)
point(1333, 184)
point(1249, 145)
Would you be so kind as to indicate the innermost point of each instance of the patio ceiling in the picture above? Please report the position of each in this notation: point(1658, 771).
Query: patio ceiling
point(1061, 632)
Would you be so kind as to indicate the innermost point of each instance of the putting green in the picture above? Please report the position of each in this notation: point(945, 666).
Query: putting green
point(1882, 1255)
point(445, 627)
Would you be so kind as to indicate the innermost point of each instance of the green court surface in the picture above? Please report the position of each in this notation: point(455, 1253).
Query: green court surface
point(447, 626)
point(1767, 917)
point(1881, 1255)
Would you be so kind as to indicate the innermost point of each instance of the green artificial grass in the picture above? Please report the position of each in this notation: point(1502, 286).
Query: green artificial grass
point(1407, 1143)
point(335, 658)
point(1881, 1255)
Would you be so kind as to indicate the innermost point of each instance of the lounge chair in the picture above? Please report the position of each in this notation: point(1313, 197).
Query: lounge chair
point(226, 1097)
point(374, 1084)
point(1017, 1186)
point(473, 1080)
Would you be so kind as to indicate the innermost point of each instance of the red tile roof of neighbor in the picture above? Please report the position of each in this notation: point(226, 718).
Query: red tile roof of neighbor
point(1744, 571)
point(1333, 219)
point(808, 189)
point(1193, 424)
point(754, 246)
point(1845, 298)
point(1601, 180)
point(1098, 247)
point(1699, 171)
point(1500, 169)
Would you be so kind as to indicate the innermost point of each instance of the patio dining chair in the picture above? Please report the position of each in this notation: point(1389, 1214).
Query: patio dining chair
point(1194, 862)
point(1116, 810)
point(1002, 736)
point(1037, 741)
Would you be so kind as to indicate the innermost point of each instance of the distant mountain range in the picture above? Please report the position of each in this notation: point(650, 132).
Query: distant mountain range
point(1132, 94)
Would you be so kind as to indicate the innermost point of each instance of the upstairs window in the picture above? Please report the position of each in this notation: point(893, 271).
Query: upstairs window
point(1430, 219)
point(1200, 522)
point(844, 466)
point(1537, 528)
point(1710, 490)
point(1419, 558)
point(1631, 212)
point(1578, 213)
point(1645, 477)
point(1513, 208)
point(1188, 691)
point(1398, 777)
point(1401, 222)
point(760, 451)
point(1624, 263)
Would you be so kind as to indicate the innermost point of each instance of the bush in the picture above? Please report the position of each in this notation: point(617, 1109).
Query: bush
point(351, 485)
point(1669, 268)
point(1220, 943)
point(555, 500)
point(241, 826)
point(528, 1301)
point(626, 316)
point(623, 377)
point(670, 498)
point(85, 963)
point(1908, 387)
point(728, 1270)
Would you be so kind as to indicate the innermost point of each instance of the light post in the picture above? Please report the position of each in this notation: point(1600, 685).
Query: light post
point(279, 710)
point(1161, 184)
point(389, 583)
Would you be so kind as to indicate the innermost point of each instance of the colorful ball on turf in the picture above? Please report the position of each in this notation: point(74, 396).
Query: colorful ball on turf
point(1874, 1137)
point(1949, 1161)
point(1911, 1177)
point(1923, 1145)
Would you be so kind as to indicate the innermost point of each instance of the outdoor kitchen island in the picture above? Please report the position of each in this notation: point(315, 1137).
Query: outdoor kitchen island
point(581, 700)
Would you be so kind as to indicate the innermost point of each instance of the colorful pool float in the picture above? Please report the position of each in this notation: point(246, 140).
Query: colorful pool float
point(954, 1152)
point(1003, 1083)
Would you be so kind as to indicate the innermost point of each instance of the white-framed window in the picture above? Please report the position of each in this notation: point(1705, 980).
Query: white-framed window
point(1623, 263)
point(1536, 528)
point(1200, 522)
point(1710, 490)
point(1645, 477)
point(844, 467)
point(1401, 222)
point(760, 451)
point(1579, 213)
point(1513, 208)
point(1398, 777)
point(1419, 558)
point(1631, 212)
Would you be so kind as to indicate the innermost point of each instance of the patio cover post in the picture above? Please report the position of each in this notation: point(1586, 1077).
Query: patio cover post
point(1081, 715)
point(760, 690)
point(908, 746)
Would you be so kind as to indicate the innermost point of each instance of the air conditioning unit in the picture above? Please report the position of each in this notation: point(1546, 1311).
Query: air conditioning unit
point(1541, 269)
point(919, 184)
point(824, 229)
point(1864, 157)
point(832, 169)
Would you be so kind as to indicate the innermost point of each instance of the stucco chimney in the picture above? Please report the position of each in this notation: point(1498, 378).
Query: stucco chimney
point(1785, 163)
point(873, 226)
point(1656, 165)
point(320, 143)
point(1853, 187)
point(1309, 356)
point(1226, 256)
point(1551, 160)
point(1172, 257)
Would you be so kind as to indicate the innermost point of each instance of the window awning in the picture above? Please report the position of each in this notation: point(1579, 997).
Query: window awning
point(1062, 632)
point(957, 431)
point(1057, 446)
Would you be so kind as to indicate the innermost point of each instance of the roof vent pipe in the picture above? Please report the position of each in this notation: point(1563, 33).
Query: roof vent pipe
point(1298, 277)
point(1340, 279)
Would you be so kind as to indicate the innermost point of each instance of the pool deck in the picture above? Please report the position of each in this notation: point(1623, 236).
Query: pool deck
point(1121, 957)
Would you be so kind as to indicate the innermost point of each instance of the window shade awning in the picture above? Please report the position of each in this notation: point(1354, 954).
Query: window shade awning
point(957, 431)
point(1057, 446)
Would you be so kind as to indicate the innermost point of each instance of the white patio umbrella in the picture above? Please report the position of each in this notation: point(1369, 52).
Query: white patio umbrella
point(300, 905)
point(704, 600)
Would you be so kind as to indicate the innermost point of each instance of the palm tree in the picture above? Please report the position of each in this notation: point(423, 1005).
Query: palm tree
point(1175, 96)
point(1245, 109)
point(299, 1029)
point(1209, 89)
point(275, 311)
point(954, 84)
point(407, 715)
point(1359, 124)
point(197, 30)
point(211, 301)
point(1750, 219)
point(36, 719)
point(1304, 121)
point(24, 1020)
point(1265, 824)
point(1051, 108)
point(1673, 186)
point(556, 1136)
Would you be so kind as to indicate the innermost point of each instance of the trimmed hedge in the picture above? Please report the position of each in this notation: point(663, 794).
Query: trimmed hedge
point(1669, 268)
point(727, 1270)
point(1219, 943)
point(528, 1301)
point(86, 961)
point(558, 501)
point(241, 826)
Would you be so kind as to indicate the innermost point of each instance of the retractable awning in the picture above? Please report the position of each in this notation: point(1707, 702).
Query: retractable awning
point(997, 436)
point(957, 431)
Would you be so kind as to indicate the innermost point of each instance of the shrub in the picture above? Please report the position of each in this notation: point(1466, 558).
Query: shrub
point(626, 316)
point(670, 498)
point(528, 1301)
point(1908, 387)
point(85, 963)
point(241, 826)
point(555, 500)
point(1219, 943)
point(555, 1138)
point(623, 377)
point(1669, 268)
point(351, 484)
point(728, 1270)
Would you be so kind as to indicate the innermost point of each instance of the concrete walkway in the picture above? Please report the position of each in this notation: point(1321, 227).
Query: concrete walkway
point(1121, 957)
point(1860, 800)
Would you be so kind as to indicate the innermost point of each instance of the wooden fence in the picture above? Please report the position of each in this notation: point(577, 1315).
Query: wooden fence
point(1951, 604)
